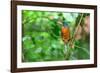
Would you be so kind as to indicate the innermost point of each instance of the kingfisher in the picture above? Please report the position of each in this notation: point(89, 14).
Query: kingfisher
point(65, 32)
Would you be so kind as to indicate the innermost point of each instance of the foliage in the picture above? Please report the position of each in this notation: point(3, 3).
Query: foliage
point(42, 40)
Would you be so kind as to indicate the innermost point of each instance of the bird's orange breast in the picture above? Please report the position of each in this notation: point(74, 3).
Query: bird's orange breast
point(65, 33)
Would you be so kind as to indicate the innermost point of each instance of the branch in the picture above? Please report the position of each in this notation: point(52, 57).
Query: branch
point(76, 30)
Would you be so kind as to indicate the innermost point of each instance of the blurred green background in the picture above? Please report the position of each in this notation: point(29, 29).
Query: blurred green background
point(41, 38)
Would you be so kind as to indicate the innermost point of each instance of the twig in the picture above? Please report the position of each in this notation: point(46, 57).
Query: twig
point(82, 49)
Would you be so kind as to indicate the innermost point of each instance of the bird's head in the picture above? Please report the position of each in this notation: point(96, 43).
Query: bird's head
point(65, 24)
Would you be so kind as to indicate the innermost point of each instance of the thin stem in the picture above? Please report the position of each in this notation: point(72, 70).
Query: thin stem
point(82, 49)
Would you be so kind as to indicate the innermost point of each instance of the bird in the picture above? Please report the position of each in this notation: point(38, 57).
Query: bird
point(65, 32)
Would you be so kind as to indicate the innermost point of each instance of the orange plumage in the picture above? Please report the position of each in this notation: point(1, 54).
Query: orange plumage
point(65, 33)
